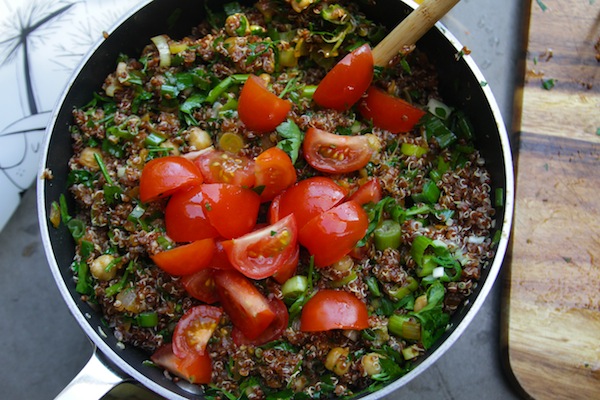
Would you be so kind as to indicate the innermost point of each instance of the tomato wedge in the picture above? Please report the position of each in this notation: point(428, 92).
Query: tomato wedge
point(346, 82)
point(231, 210)
point(274, 173)
point(201, 285)
point(163, 176)
point(186, 219)
point(389, 112)
point(223, 167)
point(272, 332)
point(194, 329)
point(335, 154)
point(264, 252)
point(260, 110)
point(289, 267)
point(307, 199)
point(247, 308)
point(369, 192)
point(193, 369)
point(333, 309)
point(334, 233)
point(186, 259)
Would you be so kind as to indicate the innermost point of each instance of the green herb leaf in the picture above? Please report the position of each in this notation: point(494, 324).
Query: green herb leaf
point(292, 139)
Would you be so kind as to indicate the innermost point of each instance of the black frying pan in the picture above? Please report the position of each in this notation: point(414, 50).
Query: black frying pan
point(462, 85)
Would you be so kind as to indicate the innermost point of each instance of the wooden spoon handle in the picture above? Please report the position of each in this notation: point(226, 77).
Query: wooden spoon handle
point(411, 29)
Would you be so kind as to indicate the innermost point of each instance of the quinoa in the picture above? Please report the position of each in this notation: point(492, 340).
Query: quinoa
point(140, 114)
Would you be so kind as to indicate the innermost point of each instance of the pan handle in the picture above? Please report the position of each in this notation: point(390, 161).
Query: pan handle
point(94, 380)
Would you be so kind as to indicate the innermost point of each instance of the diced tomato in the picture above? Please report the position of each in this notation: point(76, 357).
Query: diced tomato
point(220, 259)
point(247, 308)
point(346, 82)
point(369, 192)
point(289, 267)
point(272, 332)
point(201, 285)
point(223, 167)
point(333, 309)
point(186, 219)
point(334, 233)
point(186, 259)
point(389, 112)
point(307, 199)
point(193, 369)
point(274, 173)
point(335, 154)
point(231, 210)
point(194, 329)
point(264, 252)
point(259, 109)
point(163, 176)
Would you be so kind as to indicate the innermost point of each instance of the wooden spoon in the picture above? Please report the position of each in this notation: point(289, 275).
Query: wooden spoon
point(407, 32)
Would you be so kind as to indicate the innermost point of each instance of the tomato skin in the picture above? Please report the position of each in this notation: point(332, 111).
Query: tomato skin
point(333, 309)
point(259, 109)
point(247, 308)
point(193, 369)
point(264, 252)
point(346, 82)
point(231, 210)
point(335, 154)
point(186, 219)
point(369, 192)
point(307, 199)
point(272, 332)
point(389, 112)
point(223, 167)
point(163, 176)
point(194, 329)
point(334, 233)
point(275, 172)
point(289, 267)
point(186, 259)
point(201, 285)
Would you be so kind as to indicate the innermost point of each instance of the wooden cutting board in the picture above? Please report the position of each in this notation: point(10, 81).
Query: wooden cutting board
point(551, 313)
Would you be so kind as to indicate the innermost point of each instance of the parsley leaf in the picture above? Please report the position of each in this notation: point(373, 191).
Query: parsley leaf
point(292, 138)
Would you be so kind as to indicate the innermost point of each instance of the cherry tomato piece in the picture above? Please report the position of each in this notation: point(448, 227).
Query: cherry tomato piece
point(163, 176)
point(307, 199)
point(333, 309)
point(223, 167)
point(186, 259)
point(272, 332)
point(369, 192)
point(186, 219)
point(201, 285)
point(264, 252)
point(231, 210)
point(334, 233)
point(274, 173)
point(289, 267)
point(389, 112)
point(259, 109)
point(194, 329)
point(346, 82)
point(247, 308)
point(335, 154)
point(196, 369)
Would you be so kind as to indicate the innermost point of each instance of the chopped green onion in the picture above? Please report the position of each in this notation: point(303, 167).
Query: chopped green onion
point(387, 235)
point(410, 286)
point(154, 139)
point(147, 319)
point(499, 197)
point(225, 84)
point(294, 287)
point(410, 149)
point(83, 279)
point(76, 227)
point(103, 169)
point(405, 327)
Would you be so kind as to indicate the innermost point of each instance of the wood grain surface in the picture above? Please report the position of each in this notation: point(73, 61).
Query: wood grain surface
point(551, 316)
